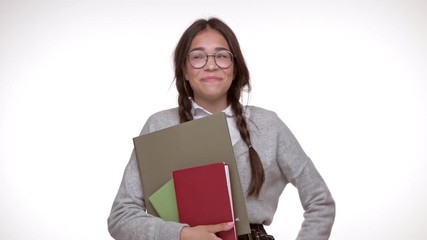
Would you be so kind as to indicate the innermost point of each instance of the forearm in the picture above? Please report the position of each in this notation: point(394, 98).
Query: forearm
point(128, 219)
point(132, 224)
point(318, 204)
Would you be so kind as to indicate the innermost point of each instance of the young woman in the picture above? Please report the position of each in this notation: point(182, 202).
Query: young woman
point(210, 74)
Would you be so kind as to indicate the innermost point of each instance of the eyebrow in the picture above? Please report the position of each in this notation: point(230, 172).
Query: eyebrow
point(203, 49)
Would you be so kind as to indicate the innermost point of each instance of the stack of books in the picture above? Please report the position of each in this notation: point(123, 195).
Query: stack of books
point(189, 175)
point(198, 196)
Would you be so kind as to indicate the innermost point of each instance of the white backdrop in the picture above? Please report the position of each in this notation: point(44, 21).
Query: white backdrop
point(78, 79)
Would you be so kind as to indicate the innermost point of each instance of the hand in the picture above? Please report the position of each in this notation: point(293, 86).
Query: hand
point(205, 232)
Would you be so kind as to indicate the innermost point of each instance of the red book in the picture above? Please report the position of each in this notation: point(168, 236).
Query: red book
point(203, 197)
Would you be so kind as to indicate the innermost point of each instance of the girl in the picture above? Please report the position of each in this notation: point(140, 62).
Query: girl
point(210, 74)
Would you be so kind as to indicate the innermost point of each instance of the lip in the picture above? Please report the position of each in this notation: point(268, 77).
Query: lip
point(210, 79)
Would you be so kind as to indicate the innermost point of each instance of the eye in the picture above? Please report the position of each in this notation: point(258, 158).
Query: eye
point(198, 55)
point(222, 55)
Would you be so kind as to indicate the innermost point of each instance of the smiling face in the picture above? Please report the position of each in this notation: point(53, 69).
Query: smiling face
point(210, 83)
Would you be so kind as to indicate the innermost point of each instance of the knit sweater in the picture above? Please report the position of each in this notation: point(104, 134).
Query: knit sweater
point(283, 160)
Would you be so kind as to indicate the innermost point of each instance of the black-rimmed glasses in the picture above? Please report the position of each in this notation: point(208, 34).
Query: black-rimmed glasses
point(199, 58)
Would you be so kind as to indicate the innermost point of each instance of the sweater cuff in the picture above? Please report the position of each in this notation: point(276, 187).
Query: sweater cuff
point(169, 230)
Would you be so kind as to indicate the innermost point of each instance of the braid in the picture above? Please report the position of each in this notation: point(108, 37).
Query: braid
point(257, 170)
point(185, 106)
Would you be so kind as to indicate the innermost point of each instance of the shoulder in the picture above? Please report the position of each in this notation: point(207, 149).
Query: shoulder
point(261, 115)
point(255, 110)
point(162, 119)
point(266, 122)
point(169, 114)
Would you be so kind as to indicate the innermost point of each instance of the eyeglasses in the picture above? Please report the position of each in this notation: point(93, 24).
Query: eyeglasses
point(199, 58)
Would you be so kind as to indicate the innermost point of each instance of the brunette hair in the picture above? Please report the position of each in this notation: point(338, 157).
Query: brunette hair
point(240, 81)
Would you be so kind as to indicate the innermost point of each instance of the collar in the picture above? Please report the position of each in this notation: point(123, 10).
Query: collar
point(199, 112)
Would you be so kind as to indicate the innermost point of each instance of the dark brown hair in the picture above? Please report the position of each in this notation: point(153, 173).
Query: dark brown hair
point(240, 81)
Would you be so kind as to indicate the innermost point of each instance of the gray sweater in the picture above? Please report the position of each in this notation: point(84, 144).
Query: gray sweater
point(284, 162)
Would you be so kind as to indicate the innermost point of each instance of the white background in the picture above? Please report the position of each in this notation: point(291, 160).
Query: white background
point(78, 79)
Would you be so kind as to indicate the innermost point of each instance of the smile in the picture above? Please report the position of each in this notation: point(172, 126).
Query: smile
point(210, 79)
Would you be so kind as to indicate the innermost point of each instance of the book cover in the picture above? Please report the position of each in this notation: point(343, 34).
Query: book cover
point(164, 202)
point(203, 196)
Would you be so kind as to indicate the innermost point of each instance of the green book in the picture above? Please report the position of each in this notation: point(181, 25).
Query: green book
point(164, 202)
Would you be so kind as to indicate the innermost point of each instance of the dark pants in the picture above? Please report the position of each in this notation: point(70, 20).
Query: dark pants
point(257, 233)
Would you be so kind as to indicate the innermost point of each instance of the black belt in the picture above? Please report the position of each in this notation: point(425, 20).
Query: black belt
point(257, 233)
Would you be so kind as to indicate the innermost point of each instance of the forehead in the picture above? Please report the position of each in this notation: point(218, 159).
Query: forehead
point(209, 39)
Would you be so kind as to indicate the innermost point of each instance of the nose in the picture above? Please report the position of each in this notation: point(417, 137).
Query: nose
point(211, 64)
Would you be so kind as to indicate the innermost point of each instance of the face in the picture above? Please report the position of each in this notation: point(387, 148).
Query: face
point(210, 83)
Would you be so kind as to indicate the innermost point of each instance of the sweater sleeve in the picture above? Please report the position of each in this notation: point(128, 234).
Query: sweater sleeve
point(315, 197)
point(128, 219)
point(318, 204)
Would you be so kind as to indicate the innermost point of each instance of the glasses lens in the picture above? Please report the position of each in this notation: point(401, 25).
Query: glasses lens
point(223, 59)
point(197, 58)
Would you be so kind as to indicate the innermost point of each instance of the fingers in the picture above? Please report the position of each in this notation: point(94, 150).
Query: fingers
point(205, 231)
point(219, 227)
